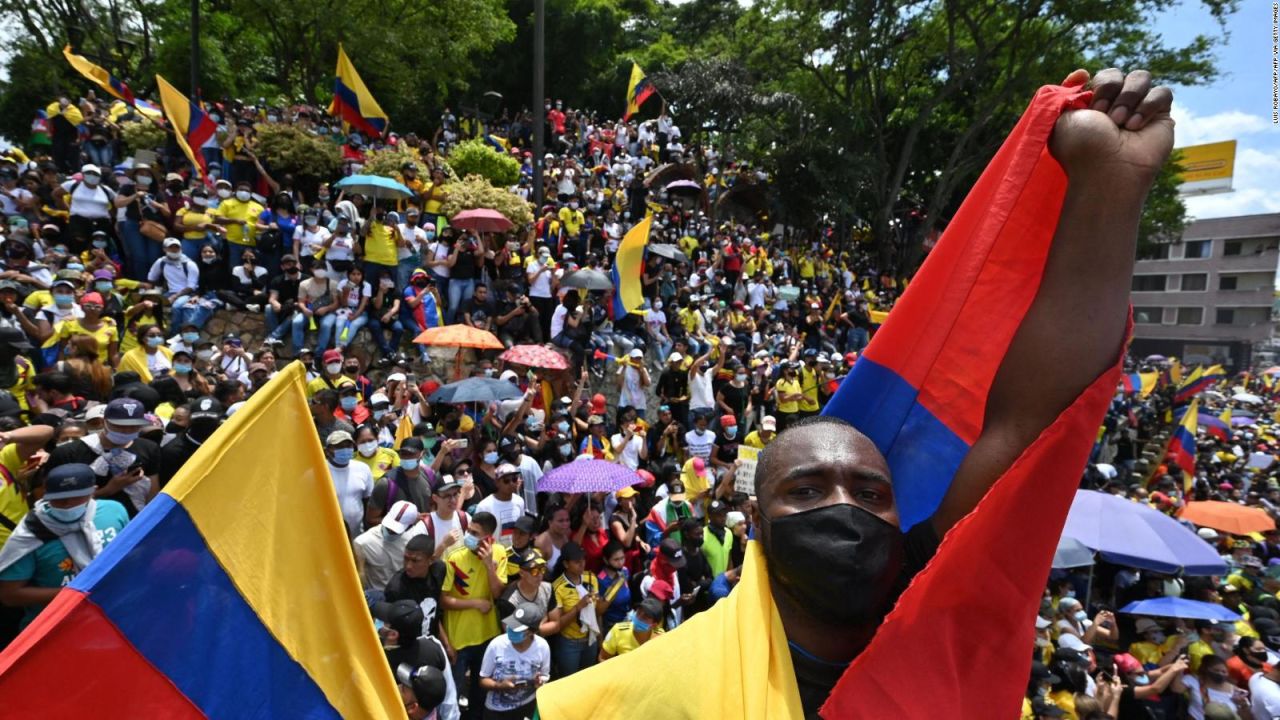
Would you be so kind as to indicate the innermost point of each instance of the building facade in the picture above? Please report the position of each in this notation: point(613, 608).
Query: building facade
point(1210, 297)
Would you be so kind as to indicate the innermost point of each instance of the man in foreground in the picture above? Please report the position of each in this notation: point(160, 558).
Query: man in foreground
point(827, 522)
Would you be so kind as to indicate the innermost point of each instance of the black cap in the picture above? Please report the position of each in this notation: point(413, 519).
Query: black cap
point(717, 506)
point(15, 338)
point(403, 616)
point(1041, 673)
point(412, 444)
point(526, 616)
point(672, 551)
point(72, 480)
point(9, 404)
point(572, 551)
point(525, 524)
point(207, 407)
point(127, 411)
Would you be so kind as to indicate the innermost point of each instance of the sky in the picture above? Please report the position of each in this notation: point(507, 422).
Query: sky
point(1237, 106)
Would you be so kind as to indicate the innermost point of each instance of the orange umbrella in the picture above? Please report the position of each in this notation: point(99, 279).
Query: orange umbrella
point(459, 336)
point(1228, 517)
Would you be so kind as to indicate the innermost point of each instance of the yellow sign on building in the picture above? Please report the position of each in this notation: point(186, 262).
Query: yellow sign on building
point(1207, 168)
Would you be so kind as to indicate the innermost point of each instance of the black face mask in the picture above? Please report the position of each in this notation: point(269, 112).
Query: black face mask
point(843, 543)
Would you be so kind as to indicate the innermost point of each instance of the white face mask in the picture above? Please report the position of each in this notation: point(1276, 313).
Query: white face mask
point(200, 202)
point(92, 180)
point(367, 449)
point(175, 255)
point(242, 196)
point(319, 274)
point(143, 181)
point(333, 368)
point(204, 354)
point(224, 193)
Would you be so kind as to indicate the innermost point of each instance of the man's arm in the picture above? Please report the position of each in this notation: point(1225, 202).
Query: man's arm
point(1074, 330)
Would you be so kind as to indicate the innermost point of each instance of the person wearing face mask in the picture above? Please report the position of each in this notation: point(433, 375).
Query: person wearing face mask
point(643, 624)
point(282, 300)
point(475, 575)
point(57, 539)
point(103, 329)
point(1212, 684)
point(379, 460)
point(1143, 687)
point(205, 416)
point(178, 274)
point(238, 215)
point(308, 238)
point(1154, 643)
point(411, 479)
point(276, 228)
point(197, 223)
point(380, 550)
point(150, 358)
point(350, 408)
point(318, 298)
point(332, 377)
point(90, 204)
point(379, 239)
point(515, 664)
point(352, 481)
point(126, 466)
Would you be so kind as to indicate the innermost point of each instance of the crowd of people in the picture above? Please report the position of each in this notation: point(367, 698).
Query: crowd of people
point(481, 587)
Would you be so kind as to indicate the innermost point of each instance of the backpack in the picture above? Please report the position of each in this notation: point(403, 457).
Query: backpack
point(464, 521)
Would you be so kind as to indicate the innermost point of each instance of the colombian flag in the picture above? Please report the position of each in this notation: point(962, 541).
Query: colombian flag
point(1219, 427)
point(99, 76)
point(1197, 382)
point(1141, 383)
point(920, 392)
point(638, 90)
point(191, 125)
point(353, 102)
point(627, 266)
point(233, 595)
point(1182, 446)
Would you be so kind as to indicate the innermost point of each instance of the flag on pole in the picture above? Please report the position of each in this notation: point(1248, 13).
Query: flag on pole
point(1219, 426)
point(638, 90)
point(1197, 382)
point(233, 595)
point(627, 266)
point(352, 101)
point(1182, 446)
point(99, 76)
point(191, 125)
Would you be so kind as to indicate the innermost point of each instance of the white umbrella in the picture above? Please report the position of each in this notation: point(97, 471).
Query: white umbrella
point(1249, 398)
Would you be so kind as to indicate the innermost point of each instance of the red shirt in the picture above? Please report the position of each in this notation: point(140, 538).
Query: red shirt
point(1240, 673)
point(593, 547)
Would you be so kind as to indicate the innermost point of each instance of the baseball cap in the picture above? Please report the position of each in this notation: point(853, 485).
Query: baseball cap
point(207, 407)
point(636, 353)
point(675, 357)
point(506, 469)
point(172, 242)
point(675, 491)
point(255, 367)
point(1127, 663)
point(90, 168)
point(531, 559)
point(525, 616)
point(595, 420)
point(662, 590)
point(717, 506)
point(1041, 673)
point(1068, 641)
point(728, 421)
point(671, 550)
point(598, 404)
point(1145, 625)
point(400, 517)
point(769, 423)
point(1207, 533)
point(448, 484)
point(126, 412)
point(699, 466)
point(1043, 622)
point(14, 338)
point(72, 480)
point(332, 356)
point(337, 437)
point(627, 492)
point(103, 275)
point(525, 524)
point(401, 615)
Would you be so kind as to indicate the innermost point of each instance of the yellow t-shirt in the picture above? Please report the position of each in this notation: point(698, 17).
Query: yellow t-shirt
point(753, 439)
point(809, 386)
point(190, 219)
point(105, 334)
point(13, 504)
point(688, 319)
point(566, 596)
point(622, 639)
point(233, 209)
point(806, 268)
point(22, 385)
point(319, 384)
point(688, 244)
point(1196, 652)
point(790, 387)
point(434, 198)
point(380, 245)
point(572, 220)
point(383, 460)
point(1149, 653)
point(1066, 701)
point(467, 578)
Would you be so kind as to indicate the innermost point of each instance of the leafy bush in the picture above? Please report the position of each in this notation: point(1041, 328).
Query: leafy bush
point(476, 157)
point(388, 161)
point(140, 135)
point(476, 192)
point(286, 149)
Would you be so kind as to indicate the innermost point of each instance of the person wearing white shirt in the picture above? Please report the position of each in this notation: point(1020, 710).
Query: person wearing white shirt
point(409, 255)
point(504, 504)
point(1264, 694)
point(379, 550)
point(629, 446)
point(352, 481)
point(308, 238)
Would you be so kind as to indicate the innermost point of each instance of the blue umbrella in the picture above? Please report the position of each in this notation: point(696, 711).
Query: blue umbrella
point(1177, 607)
point(374, 186)
point(475, 390)
point(1134, 534)
point(1071, 553)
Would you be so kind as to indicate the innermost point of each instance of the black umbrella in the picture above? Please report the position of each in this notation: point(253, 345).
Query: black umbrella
point(587, 279)
point(475, 390)
point(670, 252)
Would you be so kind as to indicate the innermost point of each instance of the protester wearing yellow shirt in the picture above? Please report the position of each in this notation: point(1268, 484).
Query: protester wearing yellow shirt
point(644, 625)
point(787, 394)
point(103, 329)
point(19, 446)
point(696, 478)
point(805, 266)
point(572, 593)
point(1154, 644)
point(380, 246)
point(472, 582)
point(572, 219)
point(239, 215)
point(809, 387)
point(379, 460)
point(760, 438)
point(688, 244)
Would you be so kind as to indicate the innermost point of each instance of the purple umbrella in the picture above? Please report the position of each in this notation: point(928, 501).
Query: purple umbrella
point(1238, 421)
point(588, 475)
point(1135, 534)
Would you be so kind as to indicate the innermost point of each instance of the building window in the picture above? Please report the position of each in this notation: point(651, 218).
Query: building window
point(1190, 315)
point(1147, 315)
point(1155, 252)
point(1195, 282)
point(1232, 248)
point(1149, 283)
point(1225, 316)
point(1227, 282)
point(1197, 249)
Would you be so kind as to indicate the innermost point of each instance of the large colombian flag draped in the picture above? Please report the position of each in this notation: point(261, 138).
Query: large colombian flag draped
point(920, 392)
point(233, 595)
point(638, 90)
point(628, 263)
point(191, 126)
point(353, 102)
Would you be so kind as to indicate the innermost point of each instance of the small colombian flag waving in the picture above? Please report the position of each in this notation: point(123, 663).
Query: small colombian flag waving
point(99, 76)
point(353, 102)
point(638, 90)
point(191, 126)
point(1182, 446)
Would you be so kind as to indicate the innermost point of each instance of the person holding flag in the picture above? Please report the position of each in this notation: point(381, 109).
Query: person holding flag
point(846, 519)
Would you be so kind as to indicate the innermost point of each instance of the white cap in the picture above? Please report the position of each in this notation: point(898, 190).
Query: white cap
point(1042, 623)
point(675, 357)
point(90, 168)
point(636, 353)
point(1067, 641)
point(400, 517)
point(379, 398)
point(1207, 534)
point(769, 423)
point(172, 242)
point(508, 375)
point(97, 412)
point(396, 377)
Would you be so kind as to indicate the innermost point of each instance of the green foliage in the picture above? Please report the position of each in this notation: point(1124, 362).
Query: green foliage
point(476, 157)
point(143, 135)
point(285, 149)
point(387, 162)
point(1164, 215)
point(475, 192)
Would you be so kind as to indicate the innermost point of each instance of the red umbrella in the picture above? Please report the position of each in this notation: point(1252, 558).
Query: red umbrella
point(535, 356)
point(481, 220)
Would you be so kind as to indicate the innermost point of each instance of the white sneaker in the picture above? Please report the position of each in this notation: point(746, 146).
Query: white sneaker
point(253, 308)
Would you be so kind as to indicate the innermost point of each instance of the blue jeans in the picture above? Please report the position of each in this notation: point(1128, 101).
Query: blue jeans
point(139, 252)
point(570, 656)
point(350, 327)
point(276, 328)
point(324, 325)
point(235, 254)
point(404, 270)
point(460, 291)
point(410, 324)
point(373, 272)
point(470, 658)
point(376, 327)
point(194, 310)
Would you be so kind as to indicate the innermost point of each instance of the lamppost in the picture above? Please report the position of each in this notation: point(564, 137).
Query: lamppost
point(539, 115)
point(195, 50)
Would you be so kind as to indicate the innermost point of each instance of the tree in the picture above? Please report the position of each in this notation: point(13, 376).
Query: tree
point(476, 157)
